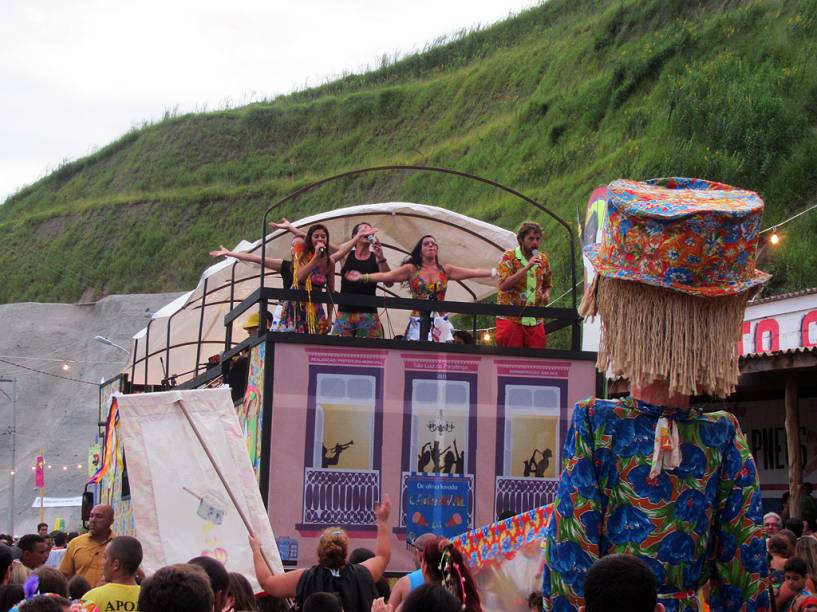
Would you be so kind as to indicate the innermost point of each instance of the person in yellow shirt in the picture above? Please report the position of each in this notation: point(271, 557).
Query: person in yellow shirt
point(83, 557)
point(121, 561)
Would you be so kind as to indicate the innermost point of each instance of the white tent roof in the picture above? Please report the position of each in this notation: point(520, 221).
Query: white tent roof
point(463, 241)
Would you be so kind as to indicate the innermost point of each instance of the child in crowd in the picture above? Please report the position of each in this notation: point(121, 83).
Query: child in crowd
point(794, 585)
point(619, 583)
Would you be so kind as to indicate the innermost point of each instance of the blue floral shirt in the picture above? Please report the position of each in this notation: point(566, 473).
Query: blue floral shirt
point(698, 521)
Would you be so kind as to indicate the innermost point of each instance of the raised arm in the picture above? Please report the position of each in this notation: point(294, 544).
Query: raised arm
point(382, 552)
point(277, 585)
point(275, 264)
point(403, 273)
point(344, 249)
point(285, 224)
point(457, 273)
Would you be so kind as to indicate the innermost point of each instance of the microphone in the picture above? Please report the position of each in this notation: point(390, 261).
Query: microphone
point(371, 238)
point(534, 254)
point(321, 250)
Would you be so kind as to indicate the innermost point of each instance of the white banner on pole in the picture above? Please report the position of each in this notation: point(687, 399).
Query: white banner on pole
point(181, 508)
point(58, 502)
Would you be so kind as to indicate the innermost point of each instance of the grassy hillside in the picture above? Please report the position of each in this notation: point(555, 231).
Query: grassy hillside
point(553, 102)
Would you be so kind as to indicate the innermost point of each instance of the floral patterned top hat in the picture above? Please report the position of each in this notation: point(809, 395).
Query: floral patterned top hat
point(689, 235)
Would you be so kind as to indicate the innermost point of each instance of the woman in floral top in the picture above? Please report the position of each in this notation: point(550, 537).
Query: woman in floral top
point(649, 475)
point(426, 277)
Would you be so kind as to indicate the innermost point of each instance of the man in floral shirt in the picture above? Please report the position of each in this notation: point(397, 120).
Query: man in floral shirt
point(524, 280)
point(650, 475)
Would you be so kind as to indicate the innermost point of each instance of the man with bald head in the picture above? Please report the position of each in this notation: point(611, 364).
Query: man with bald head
point(84, 556)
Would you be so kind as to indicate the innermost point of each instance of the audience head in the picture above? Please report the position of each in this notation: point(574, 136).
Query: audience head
point(462, 337)
point(45, 603)
point(72, 535)
point(122, 558)
point(442, 561)
point(19, 573)
point(322, 602)
point(794, 573)
point(772, 523)
point(809, 604)
point(418, 546)
point(218, 576)
point(620, 582)
point(42, 529)
point(268, 603)
point(795, 525)
point(181, 588)
point(60, 539)
point(316, 235)
point(78, 586)
point(5, 564)
point(6, 539)
point(332, 548)
point(535, 601)
point(52, 581)
point(239, 593)
point(806, 549)
point(431, 597)
point(779, 544)
point(426, 247)
point(10, 596)
point(35, 550)
point(100, 520)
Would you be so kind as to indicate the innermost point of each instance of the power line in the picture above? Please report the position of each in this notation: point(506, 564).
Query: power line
point(77, 380)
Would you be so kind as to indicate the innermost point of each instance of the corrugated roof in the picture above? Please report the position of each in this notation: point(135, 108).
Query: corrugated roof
point(789, 351)
point(784, 296)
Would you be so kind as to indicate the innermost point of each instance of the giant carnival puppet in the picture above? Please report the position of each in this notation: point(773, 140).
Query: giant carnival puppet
point(651, 474)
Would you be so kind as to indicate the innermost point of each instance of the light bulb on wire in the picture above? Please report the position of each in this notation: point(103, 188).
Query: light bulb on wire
point(774, 239)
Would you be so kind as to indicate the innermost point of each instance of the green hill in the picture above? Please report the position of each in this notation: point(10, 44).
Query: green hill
point(553, 102)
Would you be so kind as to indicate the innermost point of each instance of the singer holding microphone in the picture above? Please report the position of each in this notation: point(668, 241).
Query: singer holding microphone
point(313, 270)
point(524, 280)
point(363, 253)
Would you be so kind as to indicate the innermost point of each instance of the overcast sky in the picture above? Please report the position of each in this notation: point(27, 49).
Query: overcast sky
point(76, 75)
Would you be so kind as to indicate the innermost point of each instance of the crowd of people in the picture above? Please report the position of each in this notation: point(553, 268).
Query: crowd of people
point(101, 572)
point(523, 279)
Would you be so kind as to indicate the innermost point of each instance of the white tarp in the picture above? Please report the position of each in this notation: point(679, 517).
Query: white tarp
point(181, 508)
point(463, 240)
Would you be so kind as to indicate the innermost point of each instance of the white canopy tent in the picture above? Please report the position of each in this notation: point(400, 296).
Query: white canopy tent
point(171, 340)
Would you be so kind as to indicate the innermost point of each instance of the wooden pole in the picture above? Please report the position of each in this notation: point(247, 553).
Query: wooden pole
point(221, 477)
point(42, 490)
point(793, 444)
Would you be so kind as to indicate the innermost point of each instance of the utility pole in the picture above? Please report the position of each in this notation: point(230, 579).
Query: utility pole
point(13, 434)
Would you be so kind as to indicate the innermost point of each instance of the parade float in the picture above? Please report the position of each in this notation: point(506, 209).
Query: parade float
point(460, 436)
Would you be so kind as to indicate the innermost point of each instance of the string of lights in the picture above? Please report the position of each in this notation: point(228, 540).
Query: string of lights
point(774, 239)
point(76, 380)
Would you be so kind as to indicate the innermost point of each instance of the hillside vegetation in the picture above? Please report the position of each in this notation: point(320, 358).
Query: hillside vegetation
point(552, 102)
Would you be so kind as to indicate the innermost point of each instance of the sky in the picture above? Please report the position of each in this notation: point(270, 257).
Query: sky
point(75, 76)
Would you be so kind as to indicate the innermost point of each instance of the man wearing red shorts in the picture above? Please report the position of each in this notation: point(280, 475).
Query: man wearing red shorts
point(524, 280)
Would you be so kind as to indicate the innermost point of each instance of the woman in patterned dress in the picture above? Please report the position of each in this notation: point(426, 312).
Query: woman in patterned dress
point(426, 277)
point(313, 270)
point(651, 475)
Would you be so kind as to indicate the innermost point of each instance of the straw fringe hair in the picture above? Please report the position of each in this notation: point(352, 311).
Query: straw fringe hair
point(651, 334)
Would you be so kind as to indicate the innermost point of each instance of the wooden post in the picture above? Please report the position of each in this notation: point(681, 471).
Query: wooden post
point(793, 444)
